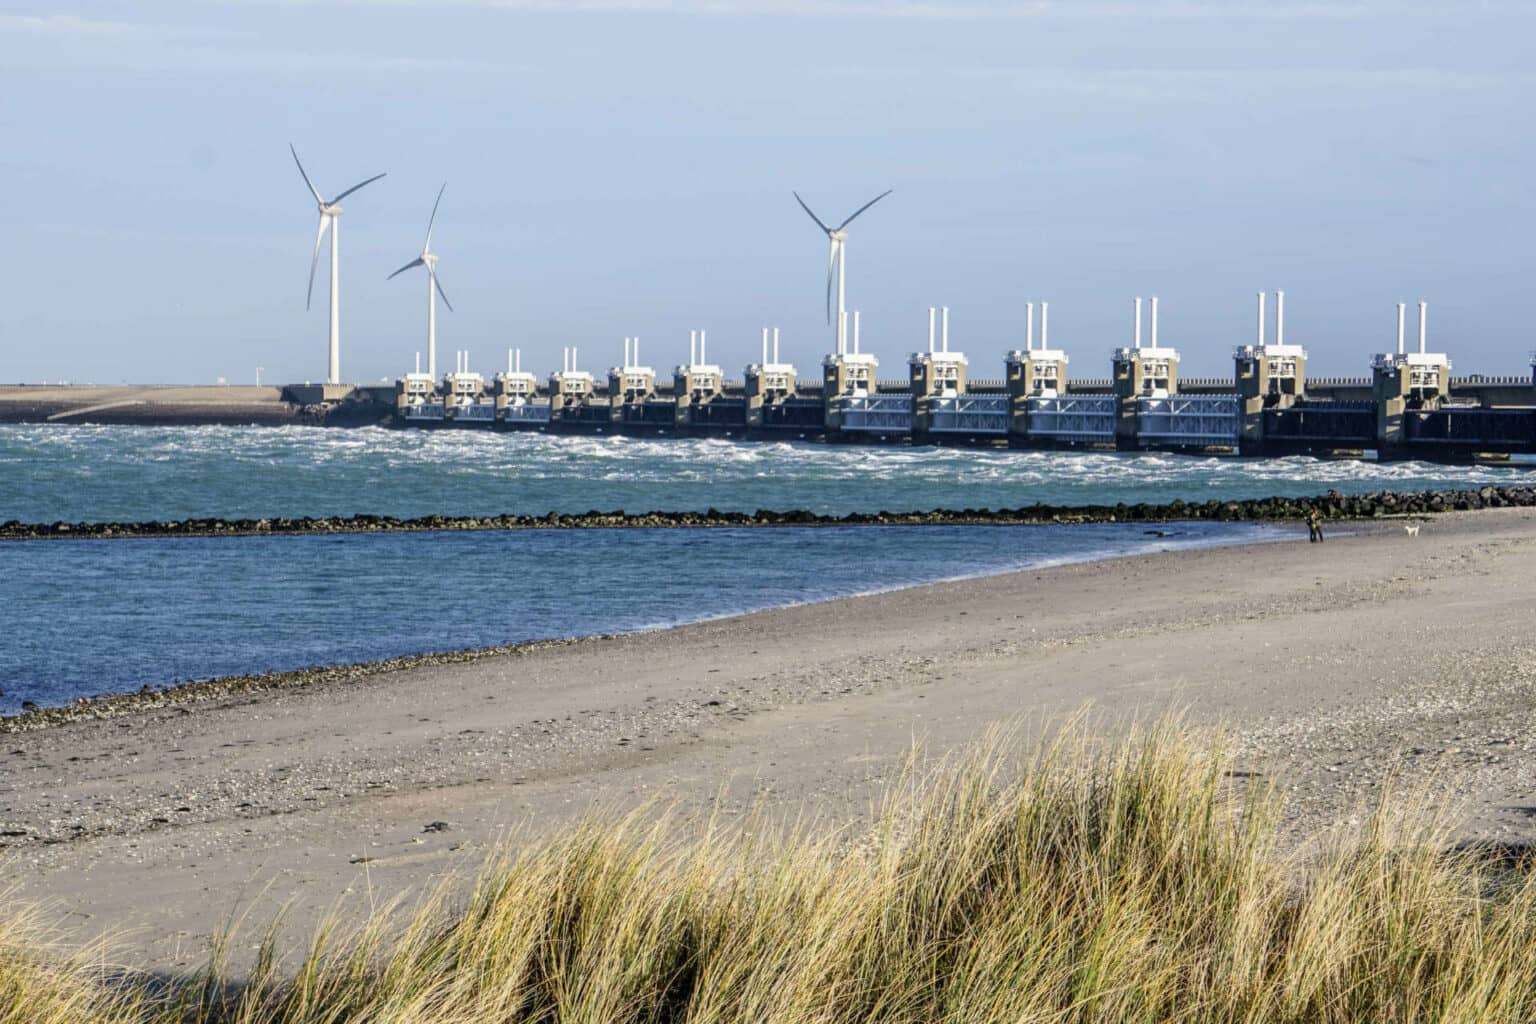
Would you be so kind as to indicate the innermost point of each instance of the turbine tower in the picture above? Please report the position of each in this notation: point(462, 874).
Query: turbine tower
point(330, 214)
point(429, 260)
point(836, 262)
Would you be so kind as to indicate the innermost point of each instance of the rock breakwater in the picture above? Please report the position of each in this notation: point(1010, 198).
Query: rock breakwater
point(1333, 505)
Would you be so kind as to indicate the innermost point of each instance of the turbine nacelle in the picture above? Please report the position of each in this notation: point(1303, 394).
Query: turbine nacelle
point(837, 255)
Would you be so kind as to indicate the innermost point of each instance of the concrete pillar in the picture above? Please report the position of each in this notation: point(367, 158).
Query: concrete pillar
point(841, 375)
point(511, 386)
point(834, 384)
point(693, 386)
point(1267, 377)
point(1140, 373)
point(413, 387)
point(682, 396)
point(752, 386)
point(932, 376)
point(1250, 373)
point(1029, 374)
point(568, 392)
point(1389, 388)
point(628, 386)
point(767, 385)
point(616, 390)
point(1127, 381)
point(1405, 383)
point(1018, 378)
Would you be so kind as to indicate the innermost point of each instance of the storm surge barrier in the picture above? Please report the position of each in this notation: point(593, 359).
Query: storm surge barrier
point(1409, 407)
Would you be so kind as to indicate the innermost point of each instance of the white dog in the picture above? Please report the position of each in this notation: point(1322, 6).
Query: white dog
point(1412, 529)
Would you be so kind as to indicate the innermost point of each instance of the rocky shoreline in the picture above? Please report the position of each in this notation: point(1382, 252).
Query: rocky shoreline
point(1333, 505)
point(179, 695)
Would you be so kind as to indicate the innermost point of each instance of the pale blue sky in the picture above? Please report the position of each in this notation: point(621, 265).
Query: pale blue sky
point(621, 167)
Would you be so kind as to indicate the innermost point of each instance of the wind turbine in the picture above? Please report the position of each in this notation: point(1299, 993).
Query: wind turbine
point(429, 260)
point(330, 214)
point(836, 261)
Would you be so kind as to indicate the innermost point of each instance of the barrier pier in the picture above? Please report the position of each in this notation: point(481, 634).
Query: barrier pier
point(1409, 407)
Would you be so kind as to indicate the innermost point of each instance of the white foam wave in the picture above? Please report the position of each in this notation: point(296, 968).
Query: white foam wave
point(67, 472)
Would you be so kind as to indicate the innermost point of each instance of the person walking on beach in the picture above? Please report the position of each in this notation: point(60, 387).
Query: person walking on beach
point(1315, 525)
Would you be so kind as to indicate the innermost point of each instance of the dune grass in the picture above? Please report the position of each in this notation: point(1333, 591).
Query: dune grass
point(1138, 883)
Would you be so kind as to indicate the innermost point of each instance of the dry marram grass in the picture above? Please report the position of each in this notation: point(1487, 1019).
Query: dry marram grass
point(1139, 883)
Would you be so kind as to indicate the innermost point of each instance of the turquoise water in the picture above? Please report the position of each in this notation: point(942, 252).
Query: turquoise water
point(86, 617)
point(76, 473)
point(92, 616)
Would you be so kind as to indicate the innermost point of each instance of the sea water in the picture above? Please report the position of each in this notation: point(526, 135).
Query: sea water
point(85, 473)
point(85, 617)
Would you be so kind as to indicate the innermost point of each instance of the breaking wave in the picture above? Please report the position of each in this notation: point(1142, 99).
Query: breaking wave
point(99, 473)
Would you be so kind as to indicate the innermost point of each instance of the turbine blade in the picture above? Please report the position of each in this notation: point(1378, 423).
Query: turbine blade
point(813, 217)
point(417, 262)
point(354, 188)
point(438, 285)
point(831, 264)
point(866, 206)
point(313, 191)
point(314, 264)
point(428, 243)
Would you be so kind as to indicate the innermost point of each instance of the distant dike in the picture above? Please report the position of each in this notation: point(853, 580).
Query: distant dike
point(1332, 505)
point(167, 405)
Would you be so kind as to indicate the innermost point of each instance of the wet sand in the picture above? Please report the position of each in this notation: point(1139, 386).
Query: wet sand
point(1337, 667)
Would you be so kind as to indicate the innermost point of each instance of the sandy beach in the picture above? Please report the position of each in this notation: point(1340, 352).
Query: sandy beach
point(1375, 657)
